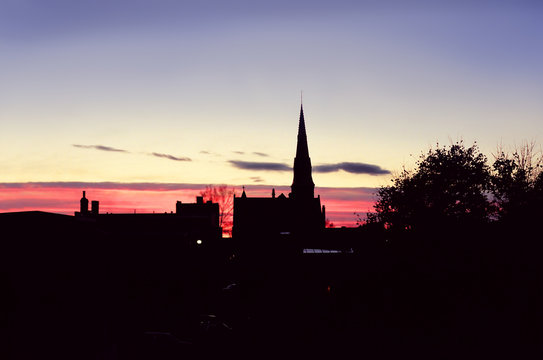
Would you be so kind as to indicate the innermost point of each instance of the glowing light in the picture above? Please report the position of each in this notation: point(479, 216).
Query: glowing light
point(199, 242)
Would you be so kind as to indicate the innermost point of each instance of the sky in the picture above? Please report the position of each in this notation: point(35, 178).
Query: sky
point(189, 93)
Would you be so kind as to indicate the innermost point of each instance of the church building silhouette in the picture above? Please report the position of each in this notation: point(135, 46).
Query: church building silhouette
point(300, 214)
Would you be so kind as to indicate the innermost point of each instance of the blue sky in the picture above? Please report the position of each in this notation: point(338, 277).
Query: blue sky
point(218, 83)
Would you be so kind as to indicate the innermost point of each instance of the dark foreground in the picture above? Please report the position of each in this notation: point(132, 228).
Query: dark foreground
point(90, 296)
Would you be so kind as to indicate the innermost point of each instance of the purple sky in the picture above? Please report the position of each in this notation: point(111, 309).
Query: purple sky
point(202, 92)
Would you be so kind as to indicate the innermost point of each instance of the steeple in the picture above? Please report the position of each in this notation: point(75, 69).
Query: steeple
point(302, 185)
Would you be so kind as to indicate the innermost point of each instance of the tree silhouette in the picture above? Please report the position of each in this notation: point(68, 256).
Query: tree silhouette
point(518, 182)
point(223, 196)
point(449, 185)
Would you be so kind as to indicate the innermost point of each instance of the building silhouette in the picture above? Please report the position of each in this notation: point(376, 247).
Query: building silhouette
point(299, 214)
point(191, 222)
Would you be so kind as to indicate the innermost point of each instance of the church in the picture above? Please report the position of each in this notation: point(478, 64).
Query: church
point(300, 214)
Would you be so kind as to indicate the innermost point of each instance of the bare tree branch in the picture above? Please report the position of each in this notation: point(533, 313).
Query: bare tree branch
point(223, 196)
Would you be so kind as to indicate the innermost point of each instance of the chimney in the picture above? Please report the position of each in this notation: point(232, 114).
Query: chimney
point(178, 207)
point(199, 200)
point(95, 207)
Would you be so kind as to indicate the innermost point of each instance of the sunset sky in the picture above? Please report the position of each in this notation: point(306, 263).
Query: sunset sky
point(124, 97)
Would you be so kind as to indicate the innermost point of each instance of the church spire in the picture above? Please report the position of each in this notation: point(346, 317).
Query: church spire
point(302, 185)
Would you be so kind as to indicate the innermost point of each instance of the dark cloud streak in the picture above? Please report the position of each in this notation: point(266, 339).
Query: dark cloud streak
point(99, 147)
point(170, 157)
point(257, 179)
point(106, 185)
point(352, 167)
point(265, 166)
point(112, 149)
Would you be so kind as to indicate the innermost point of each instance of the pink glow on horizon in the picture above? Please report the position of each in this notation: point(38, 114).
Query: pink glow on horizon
point(341, 204)
point(66, 200)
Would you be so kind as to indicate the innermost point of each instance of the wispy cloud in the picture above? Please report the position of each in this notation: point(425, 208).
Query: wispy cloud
point(352, 167)
point(170, 157)
point(106, 185)
point(99, 147)
point(239, 152)
point(112, 149)
point(256, 179)
point(210, 153)
point(265, 166)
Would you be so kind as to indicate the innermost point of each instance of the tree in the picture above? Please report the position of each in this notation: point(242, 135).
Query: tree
point(518, 182)
point(223, 196)
point(449, 185)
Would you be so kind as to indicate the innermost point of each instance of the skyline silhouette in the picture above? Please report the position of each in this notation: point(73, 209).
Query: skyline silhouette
point(137, 136)
point(433, 273)
point(301, 197)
